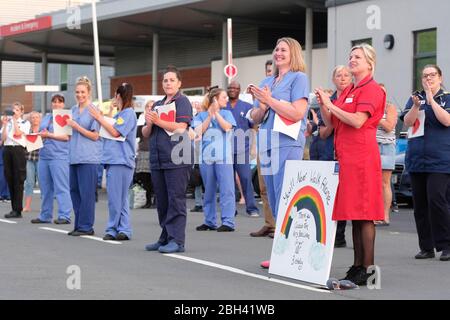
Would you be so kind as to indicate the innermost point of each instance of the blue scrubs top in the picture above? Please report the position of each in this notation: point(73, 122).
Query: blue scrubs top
point(216, 144)
point(430, 152)
point(122, 152)
point(161, 144)
point(239, 112)
point(82, 149)
point(292, 87)
point(52, 149)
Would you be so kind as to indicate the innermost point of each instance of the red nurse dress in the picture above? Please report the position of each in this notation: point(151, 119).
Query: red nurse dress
point(359, 195)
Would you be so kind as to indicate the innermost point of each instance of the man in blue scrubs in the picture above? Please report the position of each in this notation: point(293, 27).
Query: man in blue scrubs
point(241, 152)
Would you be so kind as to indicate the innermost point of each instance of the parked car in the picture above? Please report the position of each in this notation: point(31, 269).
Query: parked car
point(400, 177)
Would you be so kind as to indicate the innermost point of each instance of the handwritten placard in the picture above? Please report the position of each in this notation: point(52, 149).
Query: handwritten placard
point(304, 235)
point(60, 126)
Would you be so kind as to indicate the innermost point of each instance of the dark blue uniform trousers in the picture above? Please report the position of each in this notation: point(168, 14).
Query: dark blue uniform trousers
point(83, 183)
point(170, 190)
point(245, 176)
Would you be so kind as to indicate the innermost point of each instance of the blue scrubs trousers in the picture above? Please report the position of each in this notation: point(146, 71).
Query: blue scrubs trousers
point(272, 170)
point(83, 182)
point(170, 190)
point(54, 183)
point(222, 174)
point(245, 176)
point(118, 181)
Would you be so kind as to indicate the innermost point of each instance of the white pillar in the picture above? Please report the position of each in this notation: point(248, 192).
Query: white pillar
point(97, 55)
point(155, 57)
point(224, 54)
point(44, 72)
point(309, 43)
point(1, 87)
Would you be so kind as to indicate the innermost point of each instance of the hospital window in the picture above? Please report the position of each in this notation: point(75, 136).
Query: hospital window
point(198, 91)
point(63, 77)
point(424, 53)
point(357, 42)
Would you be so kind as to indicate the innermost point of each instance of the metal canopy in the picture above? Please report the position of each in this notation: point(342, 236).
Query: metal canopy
point(131, 23)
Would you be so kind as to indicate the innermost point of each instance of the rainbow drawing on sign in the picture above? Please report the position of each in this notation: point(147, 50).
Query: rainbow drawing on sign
point(307, 198)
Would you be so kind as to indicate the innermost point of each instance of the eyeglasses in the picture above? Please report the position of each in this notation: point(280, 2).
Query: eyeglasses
point(432, 75)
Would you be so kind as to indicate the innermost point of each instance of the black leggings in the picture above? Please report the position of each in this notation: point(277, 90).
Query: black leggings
point(15, 168)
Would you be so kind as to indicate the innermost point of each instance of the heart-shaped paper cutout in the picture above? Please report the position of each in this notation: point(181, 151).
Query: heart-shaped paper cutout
point(32, 138)
point(286, 121)
point(170, 117)
point(62, 120)
point(416, 126)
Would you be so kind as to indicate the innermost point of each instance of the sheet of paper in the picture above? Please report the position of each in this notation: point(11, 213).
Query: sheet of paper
point(105, 134)
point(418, 129)
point(33, 142)
point(167, 112)
point(60, 125)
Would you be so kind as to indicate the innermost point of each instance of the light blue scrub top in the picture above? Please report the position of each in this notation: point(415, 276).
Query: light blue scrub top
point(52, 149)
point(122, 152)
point(216, 144)
point(292, 87)
point(81, 148)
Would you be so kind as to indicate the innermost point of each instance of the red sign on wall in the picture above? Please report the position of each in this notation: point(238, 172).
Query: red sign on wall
point(26, 26)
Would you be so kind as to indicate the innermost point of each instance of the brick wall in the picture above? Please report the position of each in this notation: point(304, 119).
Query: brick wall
point(142, 84)
point(14, 93)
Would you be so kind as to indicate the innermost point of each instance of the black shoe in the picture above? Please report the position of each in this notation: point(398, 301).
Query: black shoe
point(445, 256)
point(77, 233)
point(37, 220)
point(394, 207)
point(71, 232)
point(352, 271)
point(340, 244)
point(108, 237)
point(204, 227)
point(224, 228)
point(360, 277)
point(61, 221)
point(122, 237)
point(425, 255)
point(13, 214)
point(197, 209)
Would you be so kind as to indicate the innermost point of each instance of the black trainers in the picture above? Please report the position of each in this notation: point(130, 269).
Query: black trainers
point(78, 233)
point(122, 237)
point(108, 237)
point(425, 255)
point(37, 220)
point(224, 228)
point(340, 243)
point(360, 277)
point(197, 209)
point(445, 255)
point(13, 215)
point(204, 227)
point(61, 221)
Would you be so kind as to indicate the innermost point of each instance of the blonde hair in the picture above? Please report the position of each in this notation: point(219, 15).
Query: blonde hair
point(297, 61)
point(369, 54)
point(35, 113)
point(339, 68)
point(84, 80)
point(20, 105)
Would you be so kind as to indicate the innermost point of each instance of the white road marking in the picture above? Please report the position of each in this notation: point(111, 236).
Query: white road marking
point(87, 237)
point(8, 221)
point(245, 273)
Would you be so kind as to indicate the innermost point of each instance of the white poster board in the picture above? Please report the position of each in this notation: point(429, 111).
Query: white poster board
point(33, 142)
point(304, 235)
point(105, 134)
point(60, 126)
point(418, 129)
point(167, 112)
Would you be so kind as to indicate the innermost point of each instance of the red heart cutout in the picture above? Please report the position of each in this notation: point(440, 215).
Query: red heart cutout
point(170, 117)
point(416, 126)
point(62, 120)
point(286, 121)
point(32, 138)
